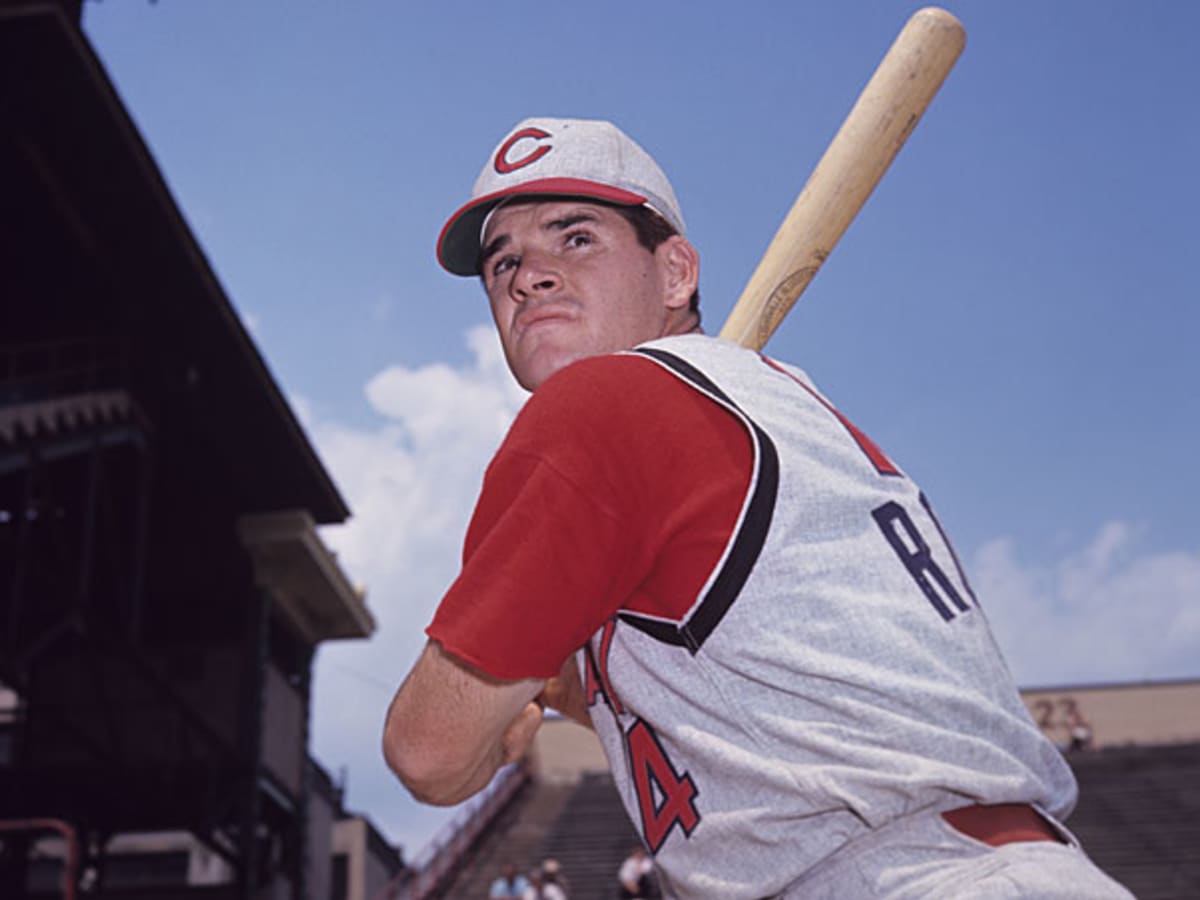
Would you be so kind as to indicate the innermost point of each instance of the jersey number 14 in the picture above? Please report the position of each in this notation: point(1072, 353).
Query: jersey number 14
point(665, 798)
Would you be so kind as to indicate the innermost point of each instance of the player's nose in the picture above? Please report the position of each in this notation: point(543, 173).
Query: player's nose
point(536, 276)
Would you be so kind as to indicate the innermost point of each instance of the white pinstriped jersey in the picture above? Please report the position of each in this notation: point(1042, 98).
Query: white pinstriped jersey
point(834, 673)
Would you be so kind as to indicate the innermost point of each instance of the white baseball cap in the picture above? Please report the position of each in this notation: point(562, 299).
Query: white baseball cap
point(557, 158)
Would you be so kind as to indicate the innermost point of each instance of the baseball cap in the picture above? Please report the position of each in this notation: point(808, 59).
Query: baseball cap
point(556, 158)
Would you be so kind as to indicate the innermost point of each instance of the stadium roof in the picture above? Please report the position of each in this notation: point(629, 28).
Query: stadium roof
point(80, 179)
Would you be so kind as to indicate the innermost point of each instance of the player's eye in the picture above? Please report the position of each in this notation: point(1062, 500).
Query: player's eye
point(503, 264)
point(577, 239)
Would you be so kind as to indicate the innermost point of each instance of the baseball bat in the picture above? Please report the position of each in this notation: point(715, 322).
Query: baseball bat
point(883, 117)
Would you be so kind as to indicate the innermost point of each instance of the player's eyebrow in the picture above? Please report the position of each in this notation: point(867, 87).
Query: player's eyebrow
point(569, 221)
point(563, 223)
point(493, 247)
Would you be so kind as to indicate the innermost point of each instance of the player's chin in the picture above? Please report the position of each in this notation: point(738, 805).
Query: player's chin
point(535, 368)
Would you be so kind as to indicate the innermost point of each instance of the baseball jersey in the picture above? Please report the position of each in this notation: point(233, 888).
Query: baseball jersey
point(827, 672)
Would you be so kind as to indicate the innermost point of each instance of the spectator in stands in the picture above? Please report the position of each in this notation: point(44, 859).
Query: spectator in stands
point(1080, 731)
point(636, 876)
point(509, 886)
point(548, 883)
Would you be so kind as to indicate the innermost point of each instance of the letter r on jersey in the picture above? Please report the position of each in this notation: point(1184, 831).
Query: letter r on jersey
point(897, 526)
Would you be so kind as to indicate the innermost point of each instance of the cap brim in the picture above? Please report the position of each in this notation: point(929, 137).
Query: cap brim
point(458, 244)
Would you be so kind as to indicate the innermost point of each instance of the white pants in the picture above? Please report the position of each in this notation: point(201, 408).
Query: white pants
point(922, 855)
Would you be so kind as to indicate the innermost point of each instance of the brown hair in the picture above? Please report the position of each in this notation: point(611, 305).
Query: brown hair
point(651, 230)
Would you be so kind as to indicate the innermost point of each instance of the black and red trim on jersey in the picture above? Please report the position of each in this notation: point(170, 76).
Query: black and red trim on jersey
point(750, 533)
point(878, 458)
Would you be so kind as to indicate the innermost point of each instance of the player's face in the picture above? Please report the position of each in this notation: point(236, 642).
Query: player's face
point(568, 279)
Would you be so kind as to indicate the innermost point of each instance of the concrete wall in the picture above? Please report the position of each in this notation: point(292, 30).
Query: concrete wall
point(1164, 713)
point(563, 750)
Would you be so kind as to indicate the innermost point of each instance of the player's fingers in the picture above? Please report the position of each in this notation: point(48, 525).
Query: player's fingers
point(519, 734)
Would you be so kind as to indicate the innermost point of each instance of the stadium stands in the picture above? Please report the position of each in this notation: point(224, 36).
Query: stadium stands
point(1139, 817)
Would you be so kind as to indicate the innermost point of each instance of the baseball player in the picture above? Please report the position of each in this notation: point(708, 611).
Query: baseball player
point(684, 544)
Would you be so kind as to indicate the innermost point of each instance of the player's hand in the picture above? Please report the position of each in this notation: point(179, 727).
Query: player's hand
point(519, 734)
point(564, 693)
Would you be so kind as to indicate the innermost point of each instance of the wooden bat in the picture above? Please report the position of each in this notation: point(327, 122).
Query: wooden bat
point(884, 116)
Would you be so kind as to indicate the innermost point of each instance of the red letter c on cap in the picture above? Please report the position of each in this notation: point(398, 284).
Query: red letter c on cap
point(504, 165)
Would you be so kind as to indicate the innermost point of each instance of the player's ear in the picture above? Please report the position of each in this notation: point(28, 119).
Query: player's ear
point(680, 266)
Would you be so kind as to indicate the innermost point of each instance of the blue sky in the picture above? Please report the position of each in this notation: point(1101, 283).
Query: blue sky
point(1013, 316)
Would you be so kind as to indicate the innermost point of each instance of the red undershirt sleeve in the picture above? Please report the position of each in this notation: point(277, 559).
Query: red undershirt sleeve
point(616, 487)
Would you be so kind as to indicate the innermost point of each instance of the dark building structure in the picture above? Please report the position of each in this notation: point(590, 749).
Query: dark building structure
point(162, 585)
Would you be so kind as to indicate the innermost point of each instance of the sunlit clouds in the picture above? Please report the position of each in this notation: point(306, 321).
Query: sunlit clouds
point(1109, 610)
point(411, 482)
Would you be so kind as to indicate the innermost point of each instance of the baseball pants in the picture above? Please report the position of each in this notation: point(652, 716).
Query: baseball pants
point(922, 855)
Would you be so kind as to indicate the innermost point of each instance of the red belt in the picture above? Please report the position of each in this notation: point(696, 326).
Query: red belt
point(1004, 823)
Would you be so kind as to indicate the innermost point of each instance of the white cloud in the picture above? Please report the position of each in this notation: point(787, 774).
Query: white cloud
point(411, 483)
point(1106, 612)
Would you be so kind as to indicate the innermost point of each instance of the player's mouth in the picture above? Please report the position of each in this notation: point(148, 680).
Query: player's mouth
point(530, 317)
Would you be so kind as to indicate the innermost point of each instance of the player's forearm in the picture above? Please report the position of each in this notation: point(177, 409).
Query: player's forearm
point(412, 759)
point(449, 727)
point(431, 781)
point(439, 773)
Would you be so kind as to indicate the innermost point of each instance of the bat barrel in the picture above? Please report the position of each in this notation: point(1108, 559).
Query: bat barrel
point(883, 117)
